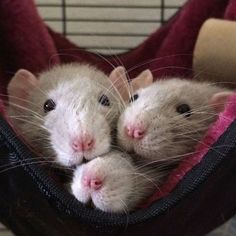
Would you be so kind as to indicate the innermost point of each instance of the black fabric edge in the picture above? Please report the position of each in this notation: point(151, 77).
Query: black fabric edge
point(67, 204)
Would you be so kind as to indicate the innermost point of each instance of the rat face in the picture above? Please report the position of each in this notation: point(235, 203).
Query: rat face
point(79, 124)
point(167, 119)
point(70, 112)
point(109, 182)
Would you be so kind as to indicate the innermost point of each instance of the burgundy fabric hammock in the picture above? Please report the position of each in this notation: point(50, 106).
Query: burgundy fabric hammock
point(198, 196)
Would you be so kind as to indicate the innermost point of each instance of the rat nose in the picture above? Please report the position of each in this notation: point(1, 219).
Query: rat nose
point(92, 183)
point(135, 132)
point(82, 144)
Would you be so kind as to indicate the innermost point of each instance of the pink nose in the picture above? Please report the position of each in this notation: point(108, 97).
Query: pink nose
point(135, 132)
point(81, 144)
point(92, 183)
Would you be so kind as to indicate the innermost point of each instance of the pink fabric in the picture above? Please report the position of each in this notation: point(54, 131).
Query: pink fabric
point(25, 42)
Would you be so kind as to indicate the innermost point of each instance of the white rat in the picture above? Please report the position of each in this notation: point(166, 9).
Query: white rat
point(113, 183)
point(181, 111)
point(166, 120)
point(68, 112)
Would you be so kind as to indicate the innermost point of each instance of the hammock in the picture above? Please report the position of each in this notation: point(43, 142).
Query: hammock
point(197, 197)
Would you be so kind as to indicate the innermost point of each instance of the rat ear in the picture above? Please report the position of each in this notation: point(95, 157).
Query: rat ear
point(20, 87)
point(119, 81)
point(144, 79)
point(219, 100)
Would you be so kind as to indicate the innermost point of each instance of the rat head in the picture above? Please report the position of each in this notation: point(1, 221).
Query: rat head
point(68, 112)
point(167, 119)
point(111, 182)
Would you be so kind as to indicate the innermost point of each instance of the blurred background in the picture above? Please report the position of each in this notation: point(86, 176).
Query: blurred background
point(107, 26)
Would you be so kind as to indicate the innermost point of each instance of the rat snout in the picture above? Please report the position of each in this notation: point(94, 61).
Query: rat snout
point(92, 183)
point(135, 131)
point(83, 143)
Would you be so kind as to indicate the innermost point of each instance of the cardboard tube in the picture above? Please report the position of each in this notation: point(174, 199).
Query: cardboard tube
point(214, 56)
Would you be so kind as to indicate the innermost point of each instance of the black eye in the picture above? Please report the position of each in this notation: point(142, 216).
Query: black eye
point(184, 109)
point(104, 100)
point(49, 105)
point(133, 98)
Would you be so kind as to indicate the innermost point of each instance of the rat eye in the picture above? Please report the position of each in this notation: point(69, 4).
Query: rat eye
point(104, 100)
point(133, 98)
point(49, 105)
point(184, 109)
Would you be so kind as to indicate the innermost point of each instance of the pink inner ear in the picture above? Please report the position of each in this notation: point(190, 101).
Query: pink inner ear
point(146, 76)
point(119, 81)
point(20, 87)
point(219, 100)
point(118, 76)
point(143, 80)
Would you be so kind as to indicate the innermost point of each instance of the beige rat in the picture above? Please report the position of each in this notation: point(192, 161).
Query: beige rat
point(69, 112)
point(114, 183)
point(163, 123)
point(166, 120)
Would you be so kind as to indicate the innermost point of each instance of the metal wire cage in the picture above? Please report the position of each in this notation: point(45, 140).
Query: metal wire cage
point(107, 26)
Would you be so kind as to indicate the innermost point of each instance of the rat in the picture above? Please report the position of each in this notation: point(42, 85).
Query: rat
point(113, 182)
point(68, 112)
point(166, 120)
point(181, 111)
